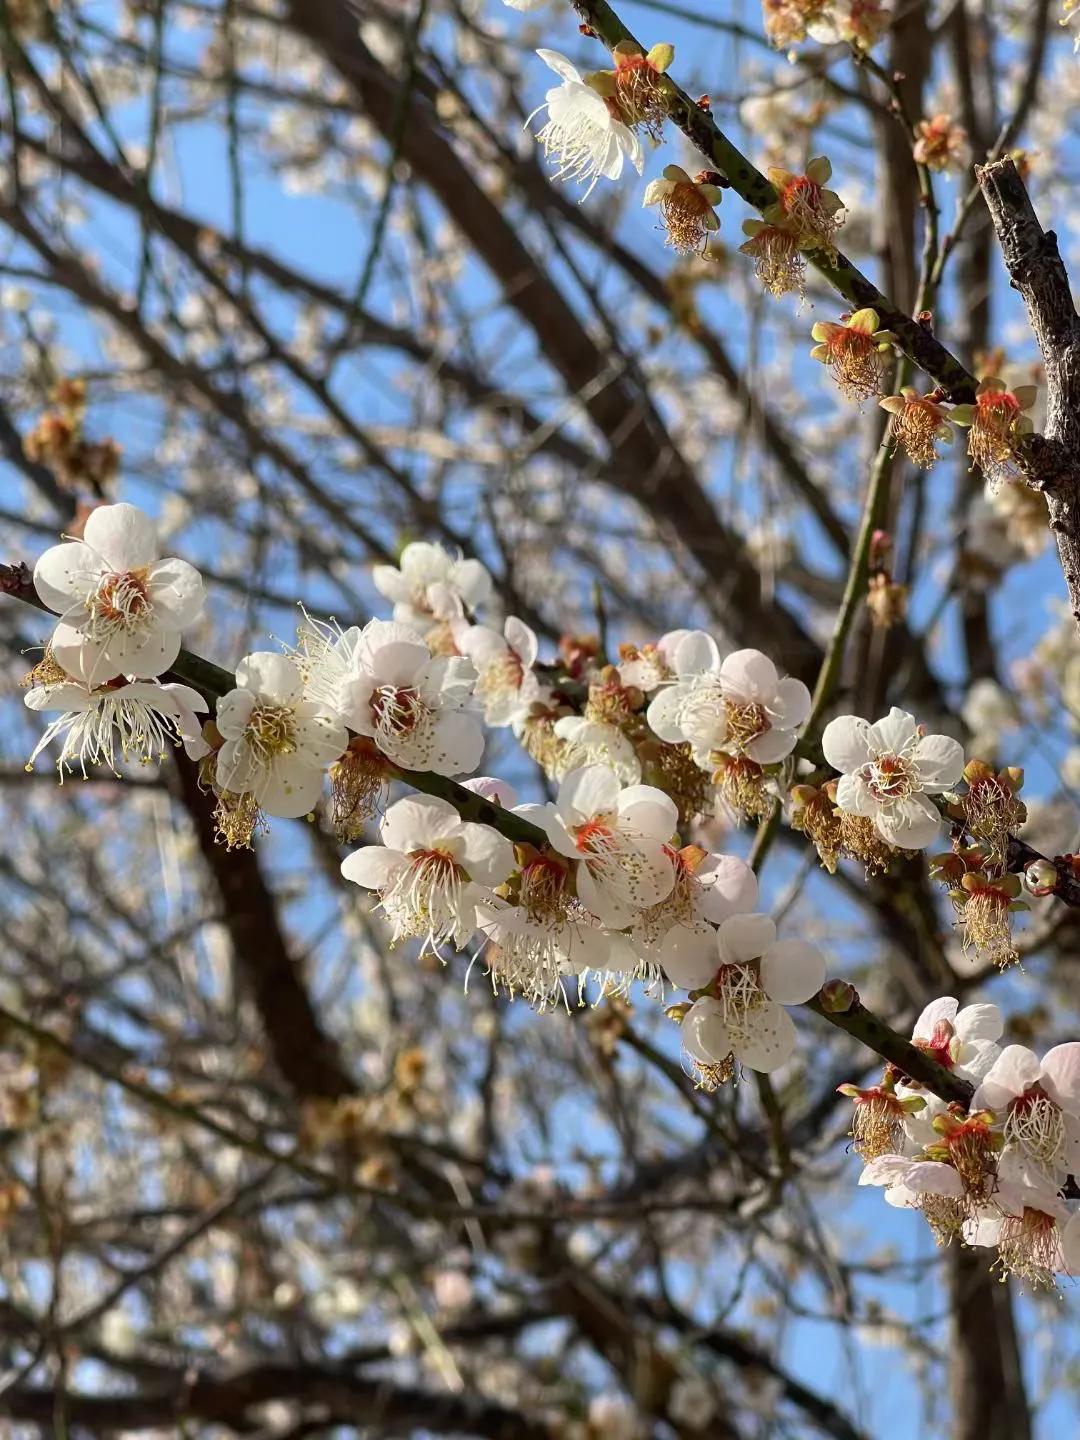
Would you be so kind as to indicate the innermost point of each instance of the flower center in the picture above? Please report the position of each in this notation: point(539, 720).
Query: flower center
point(939, 1046)
point(739, 992)
point(746, 721)
point(396, 710)
point(889, 777)
point(543, 890)
point(594, 837)
point(1028, 1247)
point(426, 898)
point(1036, 1124)
point(501, 677)
point(121, 601)
point(271, 731)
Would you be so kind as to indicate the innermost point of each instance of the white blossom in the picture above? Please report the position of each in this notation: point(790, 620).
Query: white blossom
point(650, 666)
point(581, 132)
point(429, 584)
point(753, 975)
point(122, 610)
point(138, 719)
point(889, 770)
point(277, 744)
point(963, 1041)
point(431, 870)
point(908, 1181)
point(596, 742)
point(1039, 1104)
point(506, 684)
point(618, 839)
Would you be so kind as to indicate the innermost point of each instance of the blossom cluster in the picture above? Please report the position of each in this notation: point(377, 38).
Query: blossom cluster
point(992, 1174)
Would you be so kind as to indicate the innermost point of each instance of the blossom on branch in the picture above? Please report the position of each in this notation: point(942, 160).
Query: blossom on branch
point(1039, 1103)
point(137, 718)
point(854, 351)
point(996, 425)
point(504, 664)
point(804, 208)
point(686, 207)
point(920, 423)
point(584, 131)
point(122, 610)
point(430, 587)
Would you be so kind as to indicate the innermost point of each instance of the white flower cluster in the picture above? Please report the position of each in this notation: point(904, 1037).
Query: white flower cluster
point(993, 1175)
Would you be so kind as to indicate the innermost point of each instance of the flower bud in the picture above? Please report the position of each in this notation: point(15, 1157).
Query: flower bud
point(1041, 877)
point(837, 997)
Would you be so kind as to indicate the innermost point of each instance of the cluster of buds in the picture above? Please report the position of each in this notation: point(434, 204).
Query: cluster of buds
point(940, 145)
point(920, 422)
point(886, 600)
point(984, 897)
point(996, 425)
point(855, 352)
point(686, 207)
point(58, 441)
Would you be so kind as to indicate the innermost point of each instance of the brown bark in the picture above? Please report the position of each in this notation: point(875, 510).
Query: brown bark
point(986, 1382)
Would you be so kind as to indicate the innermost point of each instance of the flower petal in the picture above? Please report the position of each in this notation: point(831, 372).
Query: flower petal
point(486, 855)
point(745, 937)
point(846, 743)
point(1015, 1070)
point(588, 791)
point(695, 652)
point(689, 956)
point(749, 675)
point(176, 591)
point(122, 535)
point(373, 866)
point(790, 705)
point(65, 575)
point(894, 733)
point(649, 811)
point(418, 822)
point(728, 887)
point(1061, 1075)
point(272, 675)
point(768, 1041)
point(792, 971)
point(910, 824)
point(940, 761)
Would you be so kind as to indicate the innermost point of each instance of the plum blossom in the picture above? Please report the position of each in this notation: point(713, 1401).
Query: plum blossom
point(431, 870)
point(581, 131)
point(137, 718)
point(648, 666)
point(1039, 1106)
point(688, 705)
point(122, 610)
point(277, 744)
point(1035, 1234)
point(908, 1181)
point(889, 771)
point(618, 839)
point(678, 933)
point(384, 682)
point(504, 664)
point(751, 975)
point(686, 207)
point(964, 1041)
point(429, 585)
point(586, 741)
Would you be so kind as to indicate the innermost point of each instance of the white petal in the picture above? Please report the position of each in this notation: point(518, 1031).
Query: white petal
point(790, 706)
point(272, 675)
point(1070, 1245)
point(58, 697)
point(935, 1012)
point(319, 738)
point(472, 580)
point(703, 1034)
point(389, 581)
point(481, 644)
point(1061, 1075)
point(728, 887)
point(374, 866)
point(397, 663)
point(774, 745)
point(486, 855)
point(910, 824)
point(457, 745)
point(745, 937)
point(1015, 1070)
point(792, 971)
point(124, 537)
point(695, 652)
point(65, 575)
point(846, 743)
point(854, 797)
point(931, 1177)
point(979, 1022)
point(176, 591)
point(591, 790)
point(665, 712)
point(940, 761)
point(559, 63)
point(288, 790)
point(142, 654)
point(489, 787)
point(649, 811)
point(893, 734)
point(610, 908)
point(234, 712)
point(79, 657)
point(768, 1041)
point(884, 1170)
point(689, 957)
point(749, 675)
point(418, 822)
point(522, 640)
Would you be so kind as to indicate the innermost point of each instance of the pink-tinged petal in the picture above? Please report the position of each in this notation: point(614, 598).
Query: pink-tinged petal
point(703, 1033)
point(649, 811)
point(979, 1022)
point(288, 790)
point(489, 787)
point(457, 743)
point(374, 866)
point(418, 822)
point(1015, 1070)
point(894, 733)
point(1061, 1075)
point(522, 640)
point(935, 1012)
point(909, 824)
point(693, 653)
point(271, 675)
point(846, 742)
point(486, 855)
point(588, 791)
point(790, 706)
point(792, 971)
point(65, 575)
point(940, 762)
point(771, 747)
point(664, 714)
point(176, 591)
point(749, 675)
point(768, 1040)
point(746, 937)
point(689, 957)
point(124, 537)
point(728, 887)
